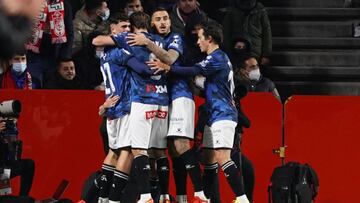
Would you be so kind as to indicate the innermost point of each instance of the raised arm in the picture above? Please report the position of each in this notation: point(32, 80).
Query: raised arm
point(139, 39)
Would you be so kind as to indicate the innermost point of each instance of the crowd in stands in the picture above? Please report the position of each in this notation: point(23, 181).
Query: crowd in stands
point(60, 54)
point(66, 51)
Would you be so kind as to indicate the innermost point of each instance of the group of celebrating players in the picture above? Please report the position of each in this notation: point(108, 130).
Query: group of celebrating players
point(150, 108)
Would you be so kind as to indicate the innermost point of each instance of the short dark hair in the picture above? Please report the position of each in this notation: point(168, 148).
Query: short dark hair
point(130, 1)
point(158, 9)
point(140, 20)
point(91, 5)
point(20, 52)
point(118, 17)
point(213, 29)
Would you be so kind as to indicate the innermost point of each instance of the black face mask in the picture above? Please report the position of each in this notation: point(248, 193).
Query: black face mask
point(239, 52)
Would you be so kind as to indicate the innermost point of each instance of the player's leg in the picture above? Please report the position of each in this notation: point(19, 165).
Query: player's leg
point(108, 167)
point(181, 130)
point(222, 142)
point(121, 175)
point(161, 173)
point(124, 161)
point(179, 173)
point(158, 145)
point(141, 119)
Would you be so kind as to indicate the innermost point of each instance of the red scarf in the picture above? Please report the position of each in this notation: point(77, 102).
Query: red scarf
point(54, 13)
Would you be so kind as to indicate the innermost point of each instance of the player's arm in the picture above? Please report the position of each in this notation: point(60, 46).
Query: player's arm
point(141, 68)
point(103, 40)
point(139, 39)
point(128, 59)
point(157, 65)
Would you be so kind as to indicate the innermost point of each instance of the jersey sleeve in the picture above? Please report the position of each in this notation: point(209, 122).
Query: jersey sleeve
point(177, 44)
point(120, 41)
point(209, 66)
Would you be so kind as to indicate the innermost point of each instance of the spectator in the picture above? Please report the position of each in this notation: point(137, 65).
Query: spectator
point(52, 38)
point(15, 74)
point(182, 12)
point(132, 6)
point(249, 17)
point(65, 77)
point(249, 74)
point(241, 49)
point(87, 20)
point(216, 10)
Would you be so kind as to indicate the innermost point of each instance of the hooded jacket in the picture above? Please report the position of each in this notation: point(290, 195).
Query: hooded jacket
point(248, 17)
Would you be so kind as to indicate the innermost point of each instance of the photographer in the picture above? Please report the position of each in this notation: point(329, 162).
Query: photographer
point(10, 160)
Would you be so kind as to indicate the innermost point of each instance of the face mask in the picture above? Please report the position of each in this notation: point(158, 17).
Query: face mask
point(254, 75)
point(19, 67)
point(104, 16)
point(240, 52)
point(99, 54)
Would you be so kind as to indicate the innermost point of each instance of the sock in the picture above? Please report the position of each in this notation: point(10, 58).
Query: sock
point(119, 182)
point(233, 178)
point(242, 198)
point(154, 188)
point(164, 197)
point(180, 176)
point(93, 190)
point(210, 176)
point(181, 199)
point(144, 197)
point(200, 194)
point(193, 168)
point(105, 180)
point(142, 173)
point(162, 165)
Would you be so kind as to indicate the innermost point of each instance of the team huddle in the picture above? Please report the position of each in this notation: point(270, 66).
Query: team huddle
point(150, 109)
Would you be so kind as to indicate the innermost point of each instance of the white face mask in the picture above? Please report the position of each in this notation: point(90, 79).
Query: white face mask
point(104, 16)
point(19, 67)
point(254, 75)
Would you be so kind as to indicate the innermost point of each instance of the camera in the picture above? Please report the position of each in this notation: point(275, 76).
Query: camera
point(10, 145)
point(9, 110)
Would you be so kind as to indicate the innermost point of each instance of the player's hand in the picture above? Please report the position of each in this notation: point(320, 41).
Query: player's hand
point(111, 101)
point(138, 39)
point(158, 66)
point(200, 81)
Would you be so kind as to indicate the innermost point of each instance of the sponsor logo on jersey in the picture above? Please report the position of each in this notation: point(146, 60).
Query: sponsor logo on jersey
point(158, 89)
point(156, 113)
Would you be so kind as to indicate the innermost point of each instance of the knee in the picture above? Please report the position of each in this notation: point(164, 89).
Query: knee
point(139, 152)
point(222, 156)
point(181, 145)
